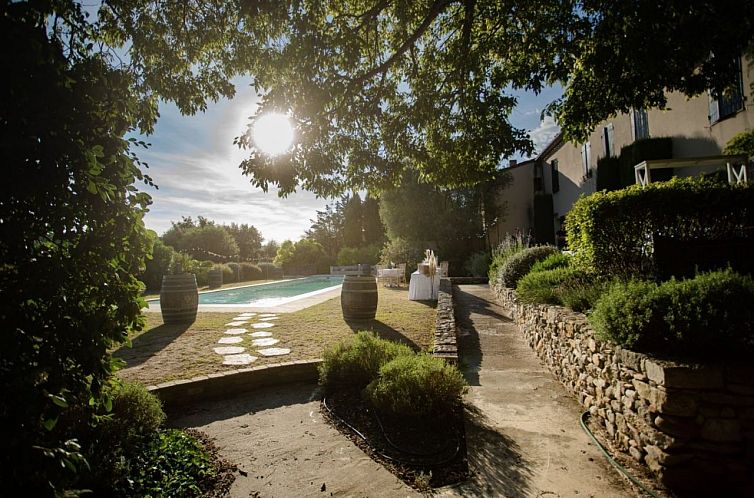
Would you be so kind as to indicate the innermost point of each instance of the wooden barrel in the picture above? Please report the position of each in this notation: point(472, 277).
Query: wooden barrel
point(179, 298)
point(215, 278)
point(358, 297)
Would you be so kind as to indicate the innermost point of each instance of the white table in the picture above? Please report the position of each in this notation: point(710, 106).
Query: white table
point(390, 276)
point(422, 288)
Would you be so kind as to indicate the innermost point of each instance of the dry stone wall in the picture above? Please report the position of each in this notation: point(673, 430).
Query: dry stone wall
point(692, 425)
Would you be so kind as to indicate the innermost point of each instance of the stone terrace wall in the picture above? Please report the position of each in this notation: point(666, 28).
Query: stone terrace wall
point(445, 345)
point(692, 425)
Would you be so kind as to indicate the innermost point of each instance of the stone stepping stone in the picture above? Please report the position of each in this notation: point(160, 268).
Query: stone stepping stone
point(239, 359)
point(229, 350)
point(268, 318)
point(262, 325)
point(230, 340)
point(247, 314)
point(268, 341)
point(274, 351)
point(261, 334)
point(235, 331)
point(267, 315)
point(236, 323)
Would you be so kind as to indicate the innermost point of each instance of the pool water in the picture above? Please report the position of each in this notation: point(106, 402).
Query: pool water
point(271, 293)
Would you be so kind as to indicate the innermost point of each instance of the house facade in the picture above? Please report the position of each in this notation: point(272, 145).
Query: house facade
point(698, 127)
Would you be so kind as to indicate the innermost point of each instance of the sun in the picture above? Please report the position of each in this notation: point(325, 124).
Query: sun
point(273, 133)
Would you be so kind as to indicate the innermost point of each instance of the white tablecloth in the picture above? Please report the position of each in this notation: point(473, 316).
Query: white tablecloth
point(421, 287)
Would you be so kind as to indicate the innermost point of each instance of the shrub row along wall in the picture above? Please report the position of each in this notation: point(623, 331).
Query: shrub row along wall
point(692, 425)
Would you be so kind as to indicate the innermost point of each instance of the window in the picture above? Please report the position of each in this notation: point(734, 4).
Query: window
point(539, 184)
point(555, 176)
point(729, 103)
point(640, 122)
point(608, 140)
point(586, 159)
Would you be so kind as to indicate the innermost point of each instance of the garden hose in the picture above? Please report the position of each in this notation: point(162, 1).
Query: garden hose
point(381, 453)
point(610, 459)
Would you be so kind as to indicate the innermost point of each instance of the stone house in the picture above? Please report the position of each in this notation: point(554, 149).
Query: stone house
point(699, 127)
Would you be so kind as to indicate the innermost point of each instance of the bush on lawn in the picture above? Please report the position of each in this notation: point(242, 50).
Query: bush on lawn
point(417, 385)
point(520, 263)
point(709, 315)
point(357, 362)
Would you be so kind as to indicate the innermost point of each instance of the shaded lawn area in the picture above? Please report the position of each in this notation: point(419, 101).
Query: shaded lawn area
point(163, 353)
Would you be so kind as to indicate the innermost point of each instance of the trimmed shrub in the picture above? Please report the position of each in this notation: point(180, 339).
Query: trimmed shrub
point(707, 316)
point(417, 386)
point(510, 245)
point(251, 271)
point(357, 362)
point(612, 233)
point(543, 287)
point(742, 143)
point(581, 290)
point(520, 264)
point(557, 260)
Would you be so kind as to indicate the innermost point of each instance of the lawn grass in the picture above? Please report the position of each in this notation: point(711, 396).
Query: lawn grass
point(163, 353)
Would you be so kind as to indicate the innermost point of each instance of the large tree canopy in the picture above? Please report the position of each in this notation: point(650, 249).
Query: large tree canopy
point(378, 86)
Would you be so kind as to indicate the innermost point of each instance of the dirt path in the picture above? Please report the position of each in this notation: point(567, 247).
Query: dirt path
point(524, 437)
point(284, 448)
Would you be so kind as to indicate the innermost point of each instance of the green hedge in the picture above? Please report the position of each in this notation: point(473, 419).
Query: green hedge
point(708, 316)
point(611, 233)
point(521, 263)
point(357, 362)
point(565, 286)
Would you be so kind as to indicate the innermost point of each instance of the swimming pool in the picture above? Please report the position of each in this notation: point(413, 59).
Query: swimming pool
point(274, 293)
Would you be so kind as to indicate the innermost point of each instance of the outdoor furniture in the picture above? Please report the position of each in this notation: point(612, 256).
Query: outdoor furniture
point(389, 277)
point(402, 268)
point(422, 287)
point(444, 268)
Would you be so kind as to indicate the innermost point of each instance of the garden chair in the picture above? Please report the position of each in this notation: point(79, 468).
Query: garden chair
point(444, 268)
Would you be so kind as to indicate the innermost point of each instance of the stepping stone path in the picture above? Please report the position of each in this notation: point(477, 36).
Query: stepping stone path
point(268, 318)
point(261, 334)
point(268, 341)
point(274, 351)
point(262, 325)
point(238, 359)
point(247, 314)
point(230, 340)
point(229, 350)
point(267, 315)
point(236, 323)
point(235, 331)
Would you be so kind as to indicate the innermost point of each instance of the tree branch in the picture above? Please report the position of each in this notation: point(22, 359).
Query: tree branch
point(435, 11)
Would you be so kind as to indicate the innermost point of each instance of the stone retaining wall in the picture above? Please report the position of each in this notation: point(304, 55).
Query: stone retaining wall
point(445, 345)
point(692, 425)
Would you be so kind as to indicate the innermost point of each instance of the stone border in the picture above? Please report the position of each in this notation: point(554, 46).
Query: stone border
point(224, 384)
point(691, 424)
point(446, 339)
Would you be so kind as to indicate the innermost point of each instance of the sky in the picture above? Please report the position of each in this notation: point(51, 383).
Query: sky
point(195, 165)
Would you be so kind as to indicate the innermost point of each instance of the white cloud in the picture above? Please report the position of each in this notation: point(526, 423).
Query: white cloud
point(543, 134)
point(195, 164)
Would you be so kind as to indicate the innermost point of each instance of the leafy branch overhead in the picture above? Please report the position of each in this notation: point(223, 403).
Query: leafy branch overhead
point(378, 87)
